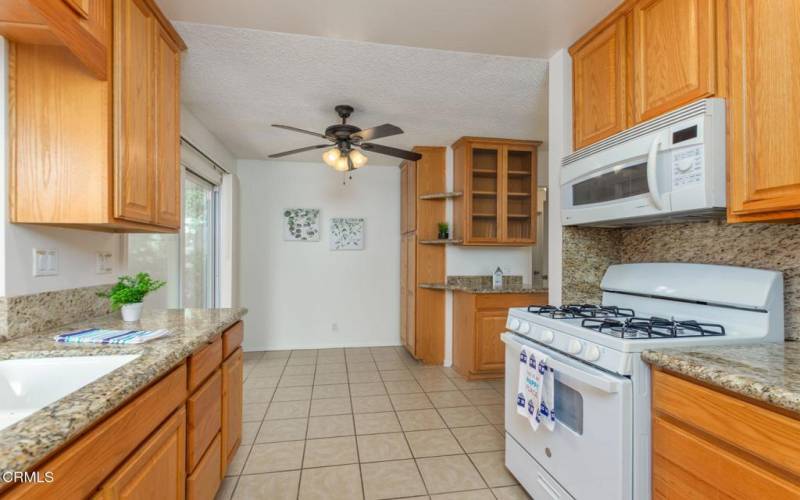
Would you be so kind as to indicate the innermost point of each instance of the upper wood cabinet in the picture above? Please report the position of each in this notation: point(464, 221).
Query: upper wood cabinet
point(498, 181)
point(599, 83)
point(79, 25)
point(763, 106)
point(103, 155)
point(674, 54)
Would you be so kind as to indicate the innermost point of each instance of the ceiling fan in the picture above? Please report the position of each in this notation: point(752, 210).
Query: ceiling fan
point(347, 140)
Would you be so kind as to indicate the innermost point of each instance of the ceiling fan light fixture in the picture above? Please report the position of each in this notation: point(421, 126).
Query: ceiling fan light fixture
point(358, 158)
point(341, 164)
point(331, 156)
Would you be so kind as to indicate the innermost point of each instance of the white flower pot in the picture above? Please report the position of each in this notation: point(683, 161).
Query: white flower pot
point(132, 312)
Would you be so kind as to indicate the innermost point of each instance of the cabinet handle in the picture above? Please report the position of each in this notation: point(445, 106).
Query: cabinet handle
point(652, 178)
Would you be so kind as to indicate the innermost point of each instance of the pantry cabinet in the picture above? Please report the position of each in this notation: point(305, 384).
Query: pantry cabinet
point(498, 180)
point(478, 321)
point(105, 154)
point(679, 51)
point(421, 261)
point(599, 69)
point(711, 444)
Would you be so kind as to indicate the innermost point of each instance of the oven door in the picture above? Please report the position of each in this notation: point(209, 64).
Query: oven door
point(590, 452)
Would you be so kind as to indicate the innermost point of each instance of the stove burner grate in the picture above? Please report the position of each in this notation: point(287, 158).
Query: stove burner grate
point(573, 311)
point(652, 328)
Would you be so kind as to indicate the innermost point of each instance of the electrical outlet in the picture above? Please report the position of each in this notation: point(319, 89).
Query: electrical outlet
point(45, 262)
point(104, 263)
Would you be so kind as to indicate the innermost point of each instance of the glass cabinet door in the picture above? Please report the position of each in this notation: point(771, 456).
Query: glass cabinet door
point(485, 186)
point(520, 194)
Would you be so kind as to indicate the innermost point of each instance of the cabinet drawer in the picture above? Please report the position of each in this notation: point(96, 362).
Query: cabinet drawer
point(203, 483)
point(768, 435)
point(687, 466)
point(232, 400)
point(82, 466)
point(232, 339)
point(205, 415)
point(204, 362)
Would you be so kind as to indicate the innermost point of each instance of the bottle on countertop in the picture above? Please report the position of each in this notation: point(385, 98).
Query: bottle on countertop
point(497, 279)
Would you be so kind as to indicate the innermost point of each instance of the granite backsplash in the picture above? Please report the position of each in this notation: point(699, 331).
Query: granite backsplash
point(26, 314)
point(589, 251)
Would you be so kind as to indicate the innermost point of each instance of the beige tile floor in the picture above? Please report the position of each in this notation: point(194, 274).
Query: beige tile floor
point(367, 423)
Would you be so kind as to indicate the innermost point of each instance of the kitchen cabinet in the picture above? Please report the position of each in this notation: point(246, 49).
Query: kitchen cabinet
point(105, 155)
point(674, 50)
point(599, 86)
point(498, 181)
point(156, 470)
point(763, 105)
point(711, 444)
point(232, 405)
point(478, 321)
point(78, 25)
point(422, 310)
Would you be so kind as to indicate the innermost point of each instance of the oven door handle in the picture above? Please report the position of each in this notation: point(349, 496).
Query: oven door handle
point(602, 383)
point(652, 174)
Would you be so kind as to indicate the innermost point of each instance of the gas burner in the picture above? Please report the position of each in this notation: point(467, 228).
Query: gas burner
point(652, 328)
point(575, 311)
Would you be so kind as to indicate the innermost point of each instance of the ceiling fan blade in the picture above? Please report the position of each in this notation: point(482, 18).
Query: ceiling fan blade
point(295, 151)
point(295, 129)
point(390, 151)
point(370, 134)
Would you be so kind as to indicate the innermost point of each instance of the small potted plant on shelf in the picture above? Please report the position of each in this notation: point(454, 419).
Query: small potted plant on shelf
point(444, 230)
point(129, 292)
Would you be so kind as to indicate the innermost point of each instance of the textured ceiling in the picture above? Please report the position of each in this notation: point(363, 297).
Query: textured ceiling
point(238, 81)
point(528, 28)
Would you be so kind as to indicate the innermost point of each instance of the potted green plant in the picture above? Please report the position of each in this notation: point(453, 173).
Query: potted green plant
point(129, 292)
point(444, 230)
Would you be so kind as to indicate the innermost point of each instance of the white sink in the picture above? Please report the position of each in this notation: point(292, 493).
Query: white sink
point(28, 385)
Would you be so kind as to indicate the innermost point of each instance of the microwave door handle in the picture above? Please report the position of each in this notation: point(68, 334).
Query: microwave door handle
point(652, 175)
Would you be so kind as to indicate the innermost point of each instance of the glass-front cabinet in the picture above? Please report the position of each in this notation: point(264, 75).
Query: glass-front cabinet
point(498, 180)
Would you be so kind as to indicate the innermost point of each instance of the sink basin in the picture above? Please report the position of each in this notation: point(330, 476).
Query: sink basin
point(28, 385)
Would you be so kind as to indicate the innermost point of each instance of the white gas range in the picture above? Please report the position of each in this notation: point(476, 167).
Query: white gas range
point(600, 448)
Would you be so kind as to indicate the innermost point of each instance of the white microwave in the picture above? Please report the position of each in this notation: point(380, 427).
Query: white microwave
point(667, 169)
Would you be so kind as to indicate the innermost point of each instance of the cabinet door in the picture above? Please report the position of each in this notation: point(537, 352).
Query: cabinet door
point(599, 79)
point(764, 104)
point(157, 469)
point(489, 349)
point(411, 197)
point(404, 198)
point(674, 54)
point(134, 172)
point(232, 400)
point(403, 289)
point(411, 285)
point(484, 204)
point(167, 131)
point(518, 191)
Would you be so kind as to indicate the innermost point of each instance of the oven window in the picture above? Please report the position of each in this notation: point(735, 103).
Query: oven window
point(569, 407)
point(614, 185)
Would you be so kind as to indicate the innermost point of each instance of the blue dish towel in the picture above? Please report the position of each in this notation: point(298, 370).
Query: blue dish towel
point(101, 336)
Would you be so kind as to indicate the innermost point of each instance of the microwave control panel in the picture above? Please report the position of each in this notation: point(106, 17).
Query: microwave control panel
point(687, 166)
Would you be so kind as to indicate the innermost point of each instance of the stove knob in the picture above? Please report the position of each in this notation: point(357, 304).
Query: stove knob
point(514, 324)
point(546, 336)
point(524, 327)
point(592, 353)
point(574, 346)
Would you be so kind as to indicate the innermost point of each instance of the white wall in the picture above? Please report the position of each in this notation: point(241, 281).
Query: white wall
point(296, 291)
point(560, 144)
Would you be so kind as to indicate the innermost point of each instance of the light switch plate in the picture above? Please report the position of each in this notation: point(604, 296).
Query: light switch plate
point(104, 263)
point(45, 262)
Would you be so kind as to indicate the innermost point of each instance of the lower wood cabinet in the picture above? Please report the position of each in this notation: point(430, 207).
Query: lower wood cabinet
point(157, 468)
point(708, 444)
point(478, 321)
point(203, 483)
point(232, 404)
point(205, 418)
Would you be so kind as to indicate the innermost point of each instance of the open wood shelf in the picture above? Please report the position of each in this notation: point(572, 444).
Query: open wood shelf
point(518, 173)
point(519, 216)
point(441, 196)
point(484, 193)
point(484, 216)
point(519, 195)
point(441, 242)
point(484, 172)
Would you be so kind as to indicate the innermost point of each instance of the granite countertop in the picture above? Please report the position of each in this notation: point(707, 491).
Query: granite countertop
point(483, 289)
point(769, 372)
point(27, 442)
